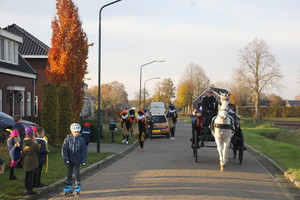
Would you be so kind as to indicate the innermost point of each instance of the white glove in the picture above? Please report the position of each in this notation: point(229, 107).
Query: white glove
point(67, 162)
point(83, 164)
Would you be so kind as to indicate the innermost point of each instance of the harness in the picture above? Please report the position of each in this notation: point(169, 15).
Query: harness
point(222, 126)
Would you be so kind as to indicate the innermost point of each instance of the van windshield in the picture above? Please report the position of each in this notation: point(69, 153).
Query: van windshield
point(159, 119)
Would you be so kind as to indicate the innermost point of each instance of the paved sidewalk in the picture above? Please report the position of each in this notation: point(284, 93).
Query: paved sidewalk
point(114, 148)
point(119, 149)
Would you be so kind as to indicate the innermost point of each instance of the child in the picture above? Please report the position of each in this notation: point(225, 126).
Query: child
point(40, 134)
point(112, 128)
point(30, 159)
point(15, 148)
point(73, 154)
point(2, 166)
point(86, 133)
point(141, 122)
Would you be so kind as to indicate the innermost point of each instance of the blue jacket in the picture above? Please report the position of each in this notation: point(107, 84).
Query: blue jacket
point(14, 151)
point(43, 150)
point(86, 133)
point(74, 150)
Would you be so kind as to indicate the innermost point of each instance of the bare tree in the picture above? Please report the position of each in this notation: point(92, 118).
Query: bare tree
point(258, 69)
point(195, 75)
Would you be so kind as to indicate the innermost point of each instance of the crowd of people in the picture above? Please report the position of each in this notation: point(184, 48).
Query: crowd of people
point(28, 149)
point(140, 125)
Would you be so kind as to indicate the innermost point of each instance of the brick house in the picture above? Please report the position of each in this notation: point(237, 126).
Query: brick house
point(35, 53)
point(17, 77)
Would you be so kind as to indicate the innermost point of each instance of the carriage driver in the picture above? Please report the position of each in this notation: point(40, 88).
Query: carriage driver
point(210, 107)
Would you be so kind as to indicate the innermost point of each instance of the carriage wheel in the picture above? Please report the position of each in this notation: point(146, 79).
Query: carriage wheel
point(241, 148)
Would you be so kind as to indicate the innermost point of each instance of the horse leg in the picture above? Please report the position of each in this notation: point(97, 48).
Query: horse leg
point(220, 150)
point(225, 150)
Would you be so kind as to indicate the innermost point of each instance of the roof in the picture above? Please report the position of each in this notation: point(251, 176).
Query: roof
point(31, 45)
point(199, 98)
point(22, 67)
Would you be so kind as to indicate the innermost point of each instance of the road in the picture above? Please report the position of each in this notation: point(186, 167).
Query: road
point(167, 170)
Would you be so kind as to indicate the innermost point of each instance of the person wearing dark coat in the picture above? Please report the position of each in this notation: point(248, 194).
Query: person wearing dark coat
point(30, 159)
point(40, 133)
point(210, 107)
point(86, 133)
point(112, 128)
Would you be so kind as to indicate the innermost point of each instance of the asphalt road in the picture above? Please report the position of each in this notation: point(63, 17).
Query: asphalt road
point(167, 170)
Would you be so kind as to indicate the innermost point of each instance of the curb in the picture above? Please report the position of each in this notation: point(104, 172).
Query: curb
point(82, 172)
point(285, 173)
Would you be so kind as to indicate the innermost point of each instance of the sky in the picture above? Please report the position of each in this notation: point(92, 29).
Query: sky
point(209, 33)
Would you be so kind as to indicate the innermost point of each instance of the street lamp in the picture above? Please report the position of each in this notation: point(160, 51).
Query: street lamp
point(140, 97)
point(99, 78)
point(145, 88)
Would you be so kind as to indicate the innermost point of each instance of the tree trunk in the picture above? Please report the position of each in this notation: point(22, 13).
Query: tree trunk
point(256, 106)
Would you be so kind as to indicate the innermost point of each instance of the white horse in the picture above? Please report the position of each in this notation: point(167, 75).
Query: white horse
point(222, 130)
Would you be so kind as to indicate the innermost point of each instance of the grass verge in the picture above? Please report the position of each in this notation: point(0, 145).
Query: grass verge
point(57, 170)
point(273, 142)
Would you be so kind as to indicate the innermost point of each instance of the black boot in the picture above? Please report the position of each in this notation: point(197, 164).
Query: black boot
point(11, 175)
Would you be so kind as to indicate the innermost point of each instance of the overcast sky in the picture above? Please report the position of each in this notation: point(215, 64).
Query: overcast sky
point(209, 33)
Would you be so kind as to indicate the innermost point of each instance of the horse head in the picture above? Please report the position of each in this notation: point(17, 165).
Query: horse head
point(224, 105)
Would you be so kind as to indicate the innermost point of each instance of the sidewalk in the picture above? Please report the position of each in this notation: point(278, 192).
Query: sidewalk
point(114, 148)
point(118, 149)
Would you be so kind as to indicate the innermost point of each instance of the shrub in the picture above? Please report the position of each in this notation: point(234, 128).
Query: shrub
point(50, 112)
point(65, 111)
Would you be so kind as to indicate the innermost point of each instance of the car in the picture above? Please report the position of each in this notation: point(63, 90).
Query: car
point(160, 125)
point(7, 122)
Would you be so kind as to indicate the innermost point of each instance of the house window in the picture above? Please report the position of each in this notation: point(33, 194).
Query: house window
point(28, 104)
point(1, 100)
point(22, 113)
point(36, 106)
point(8, 51)
point(1, 48)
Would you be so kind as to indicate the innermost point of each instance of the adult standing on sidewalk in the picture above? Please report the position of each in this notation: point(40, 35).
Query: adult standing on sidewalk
point(172, 119)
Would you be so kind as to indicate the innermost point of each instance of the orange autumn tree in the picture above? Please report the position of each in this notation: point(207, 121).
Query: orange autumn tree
point(69, 52)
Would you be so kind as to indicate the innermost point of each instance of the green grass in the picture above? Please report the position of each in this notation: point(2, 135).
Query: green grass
point(57, 170)
point(281, 145)
point(106, 136)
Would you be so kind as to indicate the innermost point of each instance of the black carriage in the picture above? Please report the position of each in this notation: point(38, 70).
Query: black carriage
point(201, 140)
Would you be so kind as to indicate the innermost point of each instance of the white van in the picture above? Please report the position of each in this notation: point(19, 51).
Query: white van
point(157, 107)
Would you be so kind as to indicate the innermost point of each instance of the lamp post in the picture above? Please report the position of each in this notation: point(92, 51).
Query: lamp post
point(145, 88)
point(140, 97)
point(99, 78)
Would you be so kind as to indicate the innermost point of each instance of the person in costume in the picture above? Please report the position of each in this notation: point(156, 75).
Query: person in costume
point(125, 124)
point(141, 123)
point(132, 116)
point(172, 119)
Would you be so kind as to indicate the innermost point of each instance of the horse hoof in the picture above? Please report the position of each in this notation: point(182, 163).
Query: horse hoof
point(222, 167)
